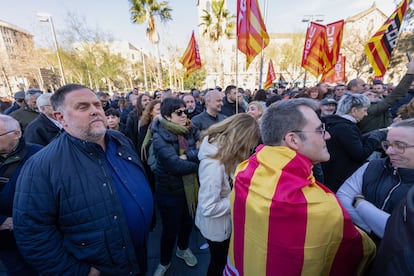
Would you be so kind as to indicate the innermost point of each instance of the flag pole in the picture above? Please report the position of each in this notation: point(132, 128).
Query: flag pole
point(262, 53)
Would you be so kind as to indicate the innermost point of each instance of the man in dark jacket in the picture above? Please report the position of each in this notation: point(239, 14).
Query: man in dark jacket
point(83, 204)
point(29, 111)
point(18, 102)
point(44, 128)
point(229, 102)
point(13, 154)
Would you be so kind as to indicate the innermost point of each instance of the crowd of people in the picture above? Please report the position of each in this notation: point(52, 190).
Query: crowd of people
point(315, 181)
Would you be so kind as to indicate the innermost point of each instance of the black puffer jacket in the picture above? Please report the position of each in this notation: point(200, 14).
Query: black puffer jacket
point(348, 150)
point(170, 167)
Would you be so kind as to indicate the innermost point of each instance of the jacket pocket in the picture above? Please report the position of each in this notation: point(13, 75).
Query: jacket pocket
point(89, 247)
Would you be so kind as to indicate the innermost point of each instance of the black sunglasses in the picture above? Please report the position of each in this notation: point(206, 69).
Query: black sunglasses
point(180, 112)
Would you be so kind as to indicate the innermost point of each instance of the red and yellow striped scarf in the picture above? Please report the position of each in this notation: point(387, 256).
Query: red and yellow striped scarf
point(285, 223)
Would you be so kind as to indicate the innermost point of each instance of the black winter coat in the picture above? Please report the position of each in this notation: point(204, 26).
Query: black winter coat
point(170, 167)
point(41, 131)
point(348, 150)
point(10, 168)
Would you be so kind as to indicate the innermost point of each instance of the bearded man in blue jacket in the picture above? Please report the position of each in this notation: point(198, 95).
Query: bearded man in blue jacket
point(83, 205)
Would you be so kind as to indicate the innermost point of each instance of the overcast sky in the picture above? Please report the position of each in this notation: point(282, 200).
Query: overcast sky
point(112, 16)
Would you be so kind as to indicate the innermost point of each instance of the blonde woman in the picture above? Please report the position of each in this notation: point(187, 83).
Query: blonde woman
point(224, 145)
point(255, 109)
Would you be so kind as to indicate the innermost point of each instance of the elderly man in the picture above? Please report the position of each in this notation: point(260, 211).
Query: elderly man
point(328, 107)
point(29, 111)
point(44, 128)
point(214, 103)
point(190, 104)
point(83, 204)
point(285, 222)
point(375, 189)
point(13, 154)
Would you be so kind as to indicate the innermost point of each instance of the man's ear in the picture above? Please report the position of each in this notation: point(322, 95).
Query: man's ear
point(59, 117)
point(292, 140)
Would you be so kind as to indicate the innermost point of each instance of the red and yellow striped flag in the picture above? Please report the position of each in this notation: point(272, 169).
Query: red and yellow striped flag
point(334, 33)
point(380, 46)
point(285, 223)
point(252, 36)
point(337, 73)
point(315, 51)
point(271, 76)
point(191, 59)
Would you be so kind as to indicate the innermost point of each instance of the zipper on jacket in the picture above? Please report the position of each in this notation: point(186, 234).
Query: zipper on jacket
point(392, 190)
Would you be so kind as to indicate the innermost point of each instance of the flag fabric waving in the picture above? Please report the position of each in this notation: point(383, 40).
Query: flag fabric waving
point(252, 36)
point(334, 33)
point(271, 76)
point(380, 46)
point(337, 73)
point(315, 51)
point(191, 59)
point(286, 223)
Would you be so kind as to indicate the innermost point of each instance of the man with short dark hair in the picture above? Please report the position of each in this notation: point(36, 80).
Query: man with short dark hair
point(229, 102)
point(285, 222)
point(91, 213)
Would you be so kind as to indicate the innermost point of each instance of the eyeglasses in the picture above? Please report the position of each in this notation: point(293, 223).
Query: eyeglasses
point(180, 112)
point(398, 147)
point(321, 130)
point(10, 131)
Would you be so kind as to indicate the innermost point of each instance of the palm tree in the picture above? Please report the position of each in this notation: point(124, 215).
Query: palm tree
point(217, 24)
point(145, 11)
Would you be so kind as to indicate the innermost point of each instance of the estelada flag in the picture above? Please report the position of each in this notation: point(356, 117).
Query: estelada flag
point(286, 223)
point(334, 33)
point(337, 73)
point(191, 59)
point(380, 46)
point(271, 76)
point(315, 51)
point(252, 36)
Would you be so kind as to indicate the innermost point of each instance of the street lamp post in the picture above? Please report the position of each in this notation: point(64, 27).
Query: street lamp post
point(45, 17)
point(310, 18)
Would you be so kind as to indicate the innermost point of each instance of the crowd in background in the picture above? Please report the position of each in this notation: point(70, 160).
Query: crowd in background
point(188, 146)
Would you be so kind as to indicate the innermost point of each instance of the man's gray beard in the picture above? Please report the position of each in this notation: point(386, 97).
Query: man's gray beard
point(190, 110)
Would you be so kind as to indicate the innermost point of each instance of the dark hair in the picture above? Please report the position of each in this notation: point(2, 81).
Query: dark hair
point(228, 89)
point(138, 106)
point(112, 112)
point(273, 99)
point(58, 97)
point(169, 105)
point(260, 96)
point(283, 117)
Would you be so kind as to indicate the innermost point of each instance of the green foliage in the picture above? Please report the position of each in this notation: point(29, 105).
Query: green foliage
point(195, 80)
point(218, 23)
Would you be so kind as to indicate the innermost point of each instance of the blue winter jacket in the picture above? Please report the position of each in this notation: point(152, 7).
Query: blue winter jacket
point(67, 214)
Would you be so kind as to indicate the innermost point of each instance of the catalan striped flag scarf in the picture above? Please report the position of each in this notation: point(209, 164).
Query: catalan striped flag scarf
point(286, 223)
